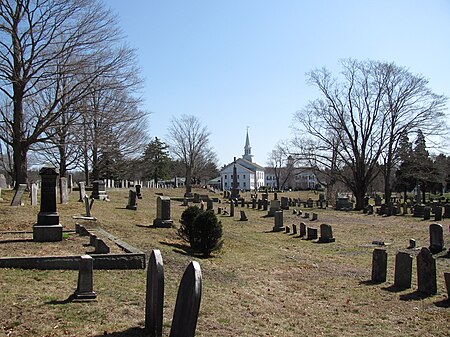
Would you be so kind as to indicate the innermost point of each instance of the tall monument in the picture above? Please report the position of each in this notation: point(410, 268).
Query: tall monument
point(234, 187)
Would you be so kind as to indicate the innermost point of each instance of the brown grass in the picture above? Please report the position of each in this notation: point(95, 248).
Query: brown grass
point(260, 284)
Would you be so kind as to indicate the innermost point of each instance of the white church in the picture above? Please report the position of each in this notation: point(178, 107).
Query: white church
point(250, 176)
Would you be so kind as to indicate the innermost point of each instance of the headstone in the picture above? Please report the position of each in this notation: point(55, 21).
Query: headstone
point(231, 208)
point(274, 206)
point(187, 306)
point(436, 238)
point(17, 199)
point(87, 206)
point(314, 217)
point(63, 192)
point(265, 204)
point(284, 203)
point(101, 247)
point(219, 210)
point(287, 229)
point(99, 190)
point(302, 229)
point(426, 272)
point(154, 299)
point(163, 217)
point(2, 181)
point(82, 186)
point(85, 287)
point(412, 244)
point(447, 284)
point(403, 270)
point(377, 200)
point(254, 203)
point(447, 211)
point(243, 216)
point(209, 204)
point(70, 183)
point(306, 215)
point(427, 213)
point(93, 240)
point(379, 265)
point(278, 227)
point(418, 210)
point(138, 191)
point(310, 203)
point(260, 202)
point(34, 194)
point(294, 229)
point(1, 199)
point(311, 233)
point(196, 198)
point(369, 209)
point(48, 228)
point(326, 234)
point(132, 200)
point(438, 213)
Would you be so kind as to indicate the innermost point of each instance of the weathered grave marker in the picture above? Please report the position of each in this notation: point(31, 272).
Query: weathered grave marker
point(187, 306)
point(17, 199)
point(85, 287)
point(287, 229)
point(426, 272)
point(302, 229)
point(63, 192)
point(278, 227)
point(243, 216)
point(163, 217)
point(403, 270)
point(101, 247)
point(82, 186)
point(231, 208)
point(34, 194)
point(447, 284)
point(132, 200)
point(294, 229)
point(314, 217)
point(99, 190)
point(138, 191)
point(438, 213)
point(326, 234)
point(427, 213)
point(48, 228)
point(379, 265)
point(311, 233)
point(436, 238)
point(154, 300)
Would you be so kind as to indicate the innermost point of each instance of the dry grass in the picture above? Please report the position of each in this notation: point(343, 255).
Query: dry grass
point(260, 284)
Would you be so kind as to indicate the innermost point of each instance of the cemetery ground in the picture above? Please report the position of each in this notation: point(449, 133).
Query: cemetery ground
point(260, 284)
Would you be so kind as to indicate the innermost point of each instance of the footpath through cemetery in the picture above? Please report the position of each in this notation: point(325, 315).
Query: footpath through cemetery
point(100, 260)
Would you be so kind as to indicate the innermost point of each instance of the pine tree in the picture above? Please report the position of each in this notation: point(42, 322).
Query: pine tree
point(156, 161)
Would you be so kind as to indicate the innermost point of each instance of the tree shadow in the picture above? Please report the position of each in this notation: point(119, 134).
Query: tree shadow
point(131, 332)
point(414, 296)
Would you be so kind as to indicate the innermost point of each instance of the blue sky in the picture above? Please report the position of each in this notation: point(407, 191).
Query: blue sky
point(240, 63)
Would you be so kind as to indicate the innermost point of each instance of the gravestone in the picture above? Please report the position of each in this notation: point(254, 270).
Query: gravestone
point(154, 299)
point(377, 200)
point(231, 208)
point(265, 204)
point(87, 206)
point(132, 200)
point(243, 216)
point(310, 203)
point(287, 229)
point(274, 206)
point(196, 198)
point(2, 181)
point(34, 194)
point(99, 190)
point(403, 270)
point(447, 284)
point(85, 287)
point(17, 199)
point(311, 233)
point(306, 215)
point(438, 213)
point(426, 272)
point(254, 203)
point(418, 210)
point(138, 191)
point(260, 202)
point(209, 204)
point(63, 192)
point(314, 217)
point(48, 228)
point(294, 229)
point(436, 238)
point(379, 265)
point(1, 199)
point(326, 234)
point(447, 211)
point(219, 210)
point(163, 216)
point(412, 244)
point(427, 213)
point(302, 229)
point(101, 247)
point(187, 306)
point(284, 203)
point(82, 186)
point(70, 183)
point(278, 227)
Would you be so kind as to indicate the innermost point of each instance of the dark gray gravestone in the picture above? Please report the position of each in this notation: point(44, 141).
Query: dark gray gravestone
point(436, 238)
point(294, 229)
point(132, 200)
point(427, 213)
point(243, 216)
point(260, 202)
point(163, 212)
point(278, 227)
point(265, 204)
point(99, 190)
point(154, 299)
point(447, 284)
point(63, 191)
point(82, 186)
point(447, 211)
point(287, 229)
point(314, 217)
point(231, 208)
point(326, 234)
point(101, 247)
point(274, 206)
point(311, 233)
point(209, 204)
point(34, 194)
point(302, 229)
point(403, 270)
point(189, 295)
point(87, 206)
point(438, 213)
point(418, 211)
point(85, 287)
point(254, 203)
point(379, 265)
point(284, 203)
point(17, 200)
point(138, 191)
point(48, 228)
point(426, 272)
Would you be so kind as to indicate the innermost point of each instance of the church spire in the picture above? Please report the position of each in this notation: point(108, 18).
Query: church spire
point(247, 149)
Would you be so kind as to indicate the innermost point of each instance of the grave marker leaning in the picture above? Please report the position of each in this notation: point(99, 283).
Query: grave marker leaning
point(17, 199)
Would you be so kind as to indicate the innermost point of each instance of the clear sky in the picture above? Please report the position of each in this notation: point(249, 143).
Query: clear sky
point(239, 63)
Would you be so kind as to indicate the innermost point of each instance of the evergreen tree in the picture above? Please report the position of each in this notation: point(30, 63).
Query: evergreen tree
point(404, 179)
point(156, 161)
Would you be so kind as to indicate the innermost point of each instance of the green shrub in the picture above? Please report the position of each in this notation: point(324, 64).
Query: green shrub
point(206, 233)
point(187, 219)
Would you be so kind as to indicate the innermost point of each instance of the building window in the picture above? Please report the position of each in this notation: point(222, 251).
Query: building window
point(244, 176)
point(244, 183)
point(238, 176)
point(225, 176)
point(226, 184)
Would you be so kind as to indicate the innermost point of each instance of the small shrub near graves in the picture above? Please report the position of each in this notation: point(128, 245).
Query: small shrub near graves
point(201, 229)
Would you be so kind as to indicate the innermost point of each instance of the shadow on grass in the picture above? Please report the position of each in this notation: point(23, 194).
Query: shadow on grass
point(369, 283)
point(15, 241)
point(445, 256)
point(131, 332)
point(184, 249)
point(67, 300)
point(394, 289)
point(414, 296)
point(443, 304)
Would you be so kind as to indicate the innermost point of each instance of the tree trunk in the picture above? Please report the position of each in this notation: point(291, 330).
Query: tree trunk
point(188, 180)
point(20, 163)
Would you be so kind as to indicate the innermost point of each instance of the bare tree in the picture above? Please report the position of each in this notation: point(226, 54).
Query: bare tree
point(189, 142)
point(282, 163)
point(45, 45)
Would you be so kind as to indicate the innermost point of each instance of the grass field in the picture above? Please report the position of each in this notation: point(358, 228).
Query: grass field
point(260, 284)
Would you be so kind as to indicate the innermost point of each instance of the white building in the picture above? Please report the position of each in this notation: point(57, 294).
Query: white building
point(250, 176)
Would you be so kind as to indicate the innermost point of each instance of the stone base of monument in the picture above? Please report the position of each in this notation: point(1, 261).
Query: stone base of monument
point(277, 229)
point(101, 195)
point(47, 233)
point(163, 223)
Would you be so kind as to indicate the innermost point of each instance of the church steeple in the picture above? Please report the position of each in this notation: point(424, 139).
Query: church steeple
point(247, 149)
